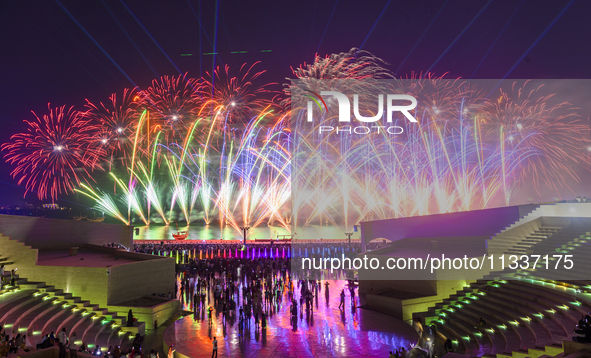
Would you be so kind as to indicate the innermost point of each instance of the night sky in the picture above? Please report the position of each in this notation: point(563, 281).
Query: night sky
point(65, 51)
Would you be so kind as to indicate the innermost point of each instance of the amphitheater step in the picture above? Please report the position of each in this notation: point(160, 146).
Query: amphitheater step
point(524, 319)
point(39, 309)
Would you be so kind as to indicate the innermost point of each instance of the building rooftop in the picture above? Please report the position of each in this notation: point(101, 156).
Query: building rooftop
point(89, 257)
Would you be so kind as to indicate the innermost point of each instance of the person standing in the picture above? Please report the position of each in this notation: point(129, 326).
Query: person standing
point(62, 340)
point(1, 276)
point(342, 304)
point(73, 346)
point(13, 278)
point(130, 318)
point(62, 348)
point(215, 348)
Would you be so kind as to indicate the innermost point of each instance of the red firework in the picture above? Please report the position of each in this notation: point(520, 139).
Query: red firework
point(173, 104)
point(116, 121)
point(239, 95)
point(55, 153)
point(558, 137)
point(355, 64)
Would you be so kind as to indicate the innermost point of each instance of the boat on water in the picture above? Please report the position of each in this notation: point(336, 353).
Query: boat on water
point(180, 235)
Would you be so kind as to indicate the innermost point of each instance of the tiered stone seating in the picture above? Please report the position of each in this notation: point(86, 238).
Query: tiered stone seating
point(532, 239)
point(35, 308)
point(519, 315)
point(574, 240)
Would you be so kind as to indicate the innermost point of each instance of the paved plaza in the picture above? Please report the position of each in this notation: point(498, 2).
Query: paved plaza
point(325, 332)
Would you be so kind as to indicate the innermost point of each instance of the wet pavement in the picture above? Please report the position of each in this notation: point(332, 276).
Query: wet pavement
point(325, 331)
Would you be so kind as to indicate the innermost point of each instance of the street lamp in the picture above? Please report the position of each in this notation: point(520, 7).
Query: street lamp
point(349, 234)
point(244, 230)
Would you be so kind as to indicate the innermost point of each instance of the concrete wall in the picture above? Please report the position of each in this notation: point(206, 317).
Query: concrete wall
point(466, 244)
point(403, 308)
point(545, 215)
point(138, 279)
point(376, 287)
point(89, 283)
point(99, 285)
point(485, 222)
point(160, 313)
point(44, 233)
point(17, 252)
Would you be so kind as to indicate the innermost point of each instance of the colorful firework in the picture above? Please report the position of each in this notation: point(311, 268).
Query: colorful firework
point(173, 103)
point(56, 153)
point(218, 149)
point(527, 118)
point(242, 178)
point(463, 154)
point(115, 121)
point(239, 95)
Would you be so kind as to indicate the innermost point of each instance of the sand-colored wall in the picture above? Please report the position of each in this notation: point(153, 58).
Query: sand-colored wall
point(17, 252)
point(148, 315)
point(99, 285)
point(88, 283)
point(404, 308)
point(485, 222)
point(45, 233)
point(138, 279)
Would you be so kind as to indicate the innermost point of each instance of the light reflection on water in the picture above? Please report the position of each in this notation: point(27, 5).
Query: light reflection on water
point(214, 232)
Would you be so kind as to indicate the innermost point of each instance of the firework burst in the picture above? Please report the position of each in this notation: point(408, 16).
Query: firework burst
point(173, 103)
point(524, 116)
point(56, 153)
point(239, 96)
point(219, 149)
point(115, 121)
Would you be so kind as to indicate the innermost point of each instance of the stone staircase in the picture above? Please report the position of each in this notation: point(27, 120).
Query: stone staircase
point(35, 309)
point(575, 240)
point(536, 237)
point(520, 316)
point(529, 313)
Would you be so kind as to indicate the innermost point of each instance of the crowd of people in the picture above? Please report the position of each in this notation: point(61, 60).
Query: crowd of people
point(11, 344)
point(183, 251)
point(249, 291)
point(246, 288)
point(246, 294)
point(68, 343)
point(583, 330)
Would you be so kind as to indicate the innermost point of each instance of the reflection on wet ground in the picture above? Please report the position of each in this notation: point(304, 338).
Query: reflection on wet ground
point(325, 331)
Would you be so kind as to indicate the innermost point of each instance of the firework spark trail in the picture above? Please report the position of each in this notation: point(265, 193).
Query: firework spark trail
point(188, 150)
point(248, 184)
point(104, 202)
point(461, 155)
point(56, 153)
point(115, 121)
